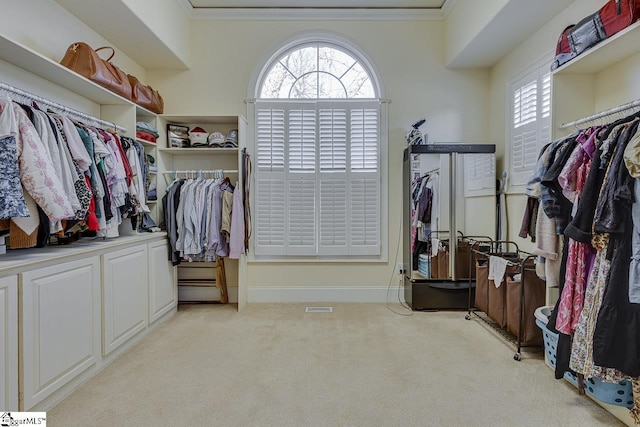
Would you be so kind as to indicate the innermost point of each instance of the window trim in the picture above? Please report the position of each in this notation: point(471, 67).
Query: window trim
point(350, 46)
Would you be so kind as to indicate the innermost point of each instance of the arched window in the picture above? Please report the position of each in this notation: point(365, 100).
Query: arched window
point(317, 71)
point(319, 132)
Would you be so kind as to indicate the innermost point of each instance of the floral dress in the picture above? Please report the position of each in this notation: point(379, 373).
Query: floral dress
point(581, 360)
point(579, 263)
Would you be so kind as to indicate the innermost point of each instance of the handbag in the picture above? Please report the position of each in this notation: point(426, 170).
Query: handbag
point(145, 96)
point(616, 15)
point(82, 59)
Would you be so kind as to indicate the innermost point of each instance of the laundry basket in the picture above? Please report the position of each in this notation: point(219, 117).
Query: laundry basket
point(619, 393)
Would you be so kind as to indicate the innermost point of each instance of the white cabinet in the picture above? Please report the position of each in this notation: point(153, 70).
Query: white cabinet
point(163, 292)
point(9, 343)
point(60, 325)
point(124, 295)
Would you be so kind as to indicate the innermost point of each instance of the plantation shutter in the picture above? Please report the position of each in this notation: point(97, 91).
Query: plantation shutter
point(301, 181)
point(531, 122)
point(270, 182)
point(333, 181)
point(365, 182)
point(319, 172)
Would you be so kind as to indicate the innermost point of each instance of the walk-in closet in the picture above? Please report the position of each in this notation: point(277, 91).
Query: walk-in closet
point(319, 213)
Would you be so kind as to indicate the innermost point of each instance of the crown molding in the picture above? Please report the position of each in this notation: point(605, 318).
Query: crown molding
point(447, 7)
point(186, 6)
point(315, 14)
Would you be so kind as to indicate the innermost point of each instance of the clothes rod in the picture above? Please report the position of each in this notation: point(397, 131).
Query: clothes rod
point(61, 108)
point(623, 107)
point(202, 171)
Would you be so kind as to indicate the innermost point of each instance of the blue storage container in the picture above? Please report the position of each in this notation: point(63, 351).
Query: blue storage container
point(424, 265)
point(619, 393)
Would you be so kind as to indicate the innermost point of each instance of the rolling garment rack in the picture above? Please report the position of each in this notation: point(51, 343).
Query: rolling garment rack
point(522, 261)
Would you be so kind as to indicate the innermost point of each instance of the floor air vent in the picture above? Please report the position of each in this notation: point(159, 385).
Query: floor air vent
point(319, 310)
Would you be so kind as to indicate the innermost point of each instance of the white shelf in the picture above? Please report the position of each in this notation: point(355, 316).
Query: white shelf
point(606, 53)
point(146, 143)
point(190, 119)
point(192, 151)
point(34, 62)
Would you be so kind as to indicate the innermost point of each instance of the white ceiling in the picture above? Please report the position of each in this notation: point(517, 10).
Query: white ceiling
point(320, 4)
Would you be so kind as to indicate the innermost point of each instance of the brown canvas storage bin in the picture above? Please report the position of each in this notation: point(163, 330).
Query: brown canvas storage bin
point(534, 297)
point(463, 255)
point(443, 264)
point(482, 285)
point(497, 309)
point(496, 302)
point(440, 263)
point(435, 271)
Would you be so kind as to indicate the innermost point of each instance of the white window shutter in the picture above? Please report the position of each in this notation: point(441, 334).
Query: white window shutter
point(531, 125)
point(544, 123)
point(365, 216)
point(270, 217)
point(365, 144)
point(301, 232)
point(302, 140)
point(333, 139)
point(333, 217)
point(270, 139)
point(318, 179)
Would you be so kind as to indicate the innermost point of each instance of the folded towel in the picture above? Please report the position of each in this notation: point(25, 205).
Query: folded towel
point(497, 268)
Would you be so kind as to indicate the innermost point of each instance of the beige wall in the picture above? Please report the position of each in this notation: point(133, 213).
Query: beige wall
point(409, 56)
point(466, 20)
point(542, 44)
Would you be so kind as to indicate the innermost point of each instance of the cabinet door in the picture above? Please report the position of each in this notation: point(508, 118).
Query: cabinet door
point(124, 295)
point(9, 343)
point(60, 325)
point(163, 290)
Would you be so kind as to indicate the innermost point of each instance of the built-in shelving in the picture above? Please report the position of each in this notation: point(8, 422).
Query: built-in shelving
point(191, 151)
point(26, 58)
point(146, 143)
point(610, 51)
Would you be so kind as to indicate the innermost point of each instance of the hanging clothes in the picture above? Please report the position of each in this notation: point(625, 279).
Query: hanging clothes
point(194, 214)
point(37, 173)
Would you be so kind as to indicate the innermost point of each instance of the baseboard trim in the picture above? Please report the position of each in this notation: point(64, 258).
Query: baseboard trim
point(276, 294)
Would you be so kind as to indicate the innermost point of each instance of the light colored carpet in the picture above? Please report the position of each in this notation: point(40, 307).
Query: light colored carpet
point(362, 365)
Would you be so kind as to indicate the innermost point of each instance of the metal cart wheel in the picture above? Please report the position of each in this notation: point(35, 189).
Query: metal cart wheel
point(517, 357)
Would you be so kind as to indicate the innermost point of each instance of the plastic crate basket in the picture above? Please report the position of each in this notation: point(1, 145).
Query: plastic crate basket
point(620, 393)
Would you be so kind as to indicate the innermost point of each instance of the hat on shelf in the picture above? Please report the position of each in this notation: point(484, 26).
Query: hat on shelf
point(231, 140)
point(216, 139)
point(198, 137)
